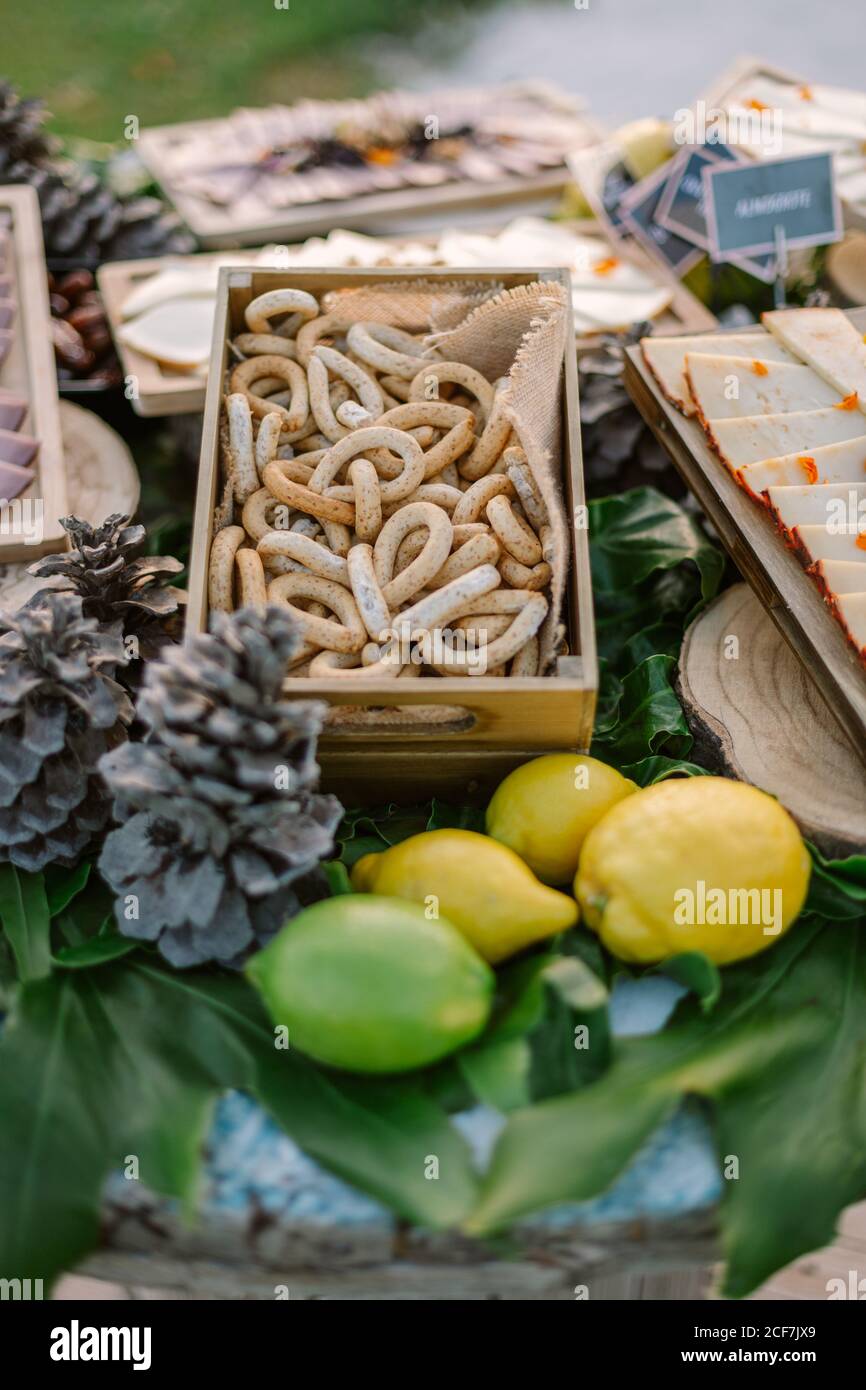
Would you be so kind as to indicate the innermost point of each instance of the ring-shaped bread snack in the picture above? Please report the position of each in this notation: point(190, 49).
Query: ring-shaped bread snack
point(317, 558)
point(221, 568)
point(425, 386)
point(347, 635)
point(324, 360)
point(515, 535)
point(399, 588)
point(264, 307)
point(359, 442)
point(255, 369)
point(387, 349)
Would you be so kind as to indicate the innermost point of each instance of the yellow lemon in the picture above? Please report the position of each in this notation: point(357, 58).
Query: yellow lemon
point(484, 889)
point(545, 809)
point(701, 864)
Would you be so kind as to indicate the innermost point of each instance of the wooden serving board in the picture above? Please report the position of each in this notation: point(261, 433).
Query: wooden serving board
point(29, 370)
point(159, 390)
point(221, 227)
point(757, 715)
point(791, 598)
point(156, 390)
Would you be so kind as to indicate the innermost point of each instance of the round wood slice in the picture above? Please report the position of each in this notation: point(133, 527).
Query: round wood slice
point(756, 715)
point(101, 478)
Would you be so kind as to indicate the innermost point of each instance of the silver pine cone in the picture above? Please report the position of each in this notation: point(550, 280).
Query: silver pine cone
point(117, 583)
point(218, 817)
point(60, 710)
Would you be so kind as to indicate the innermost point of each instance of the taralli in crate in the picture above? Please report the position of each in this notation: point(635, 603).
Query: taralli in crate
point(384, 497)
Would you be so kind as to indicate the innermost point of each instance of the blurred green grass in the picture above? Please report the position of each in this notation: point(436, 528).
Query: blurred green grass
point(97, 61)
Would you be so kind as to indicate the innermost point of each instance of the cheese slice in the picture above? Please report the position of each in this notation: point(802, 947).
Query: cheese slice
point(827, 341)
point(727, 387)
point(819, 504)
point(840, 576)
point(759, 437)
point(665, 358)
point(851, 612)
point(822, 543)
point(176, 332)
point(831, 463)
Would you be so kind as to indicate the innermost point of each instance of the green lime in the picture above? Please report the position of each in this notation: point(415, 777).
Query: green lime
point(370, 984)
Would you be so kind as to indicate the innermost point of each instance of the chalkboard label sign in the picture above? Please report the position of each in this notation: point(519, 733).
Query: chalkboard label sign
point(681, 206)
point(750, 207)
point(638, 213)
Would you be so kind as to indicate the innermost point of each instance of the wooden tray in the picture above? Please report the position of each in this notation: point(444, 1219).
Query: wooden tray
point(747, 66)
point(217, 227)
point(29, 369)
point(497, 723)
point(792, 599)
point(160, 391)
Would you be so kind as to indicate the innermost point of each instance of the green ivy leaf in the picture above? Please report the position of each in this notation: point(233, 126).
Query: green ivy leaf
point(658, 768)
point(837, 888)
point(648, 719)
point(783, 1060)
point(26, 921)
point(635, 533)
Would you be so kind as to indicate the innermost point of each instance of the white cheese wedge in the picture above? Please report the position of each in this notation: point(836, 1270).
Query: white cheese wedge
point(840, 576)
point(176, 332)
point(851, 612)
point(666, 358)
point(824, 543)
point(831, 463)
point(759, 437)
point(827, 341)
point(833, 504)
point(728, 387)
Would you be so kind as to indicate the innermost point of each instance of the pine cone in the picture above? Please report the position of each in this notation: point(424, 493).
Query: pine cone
point(218, 818)
point(60, 710)
point(117, 584)
point(82, 220)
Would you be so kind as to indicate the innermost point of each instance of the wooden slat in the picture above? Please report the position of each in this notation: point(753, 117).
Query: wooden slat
point(29, 368)
point(791, 598)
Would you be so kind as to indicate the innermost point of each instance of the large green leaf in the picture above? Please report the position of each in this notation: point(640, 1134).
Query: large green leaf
point(647, 719)
point(634, 533)
point(127, 1060)
point(783, 1059)
point(837, 888)
point(549, 1032)
point(26, 920)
